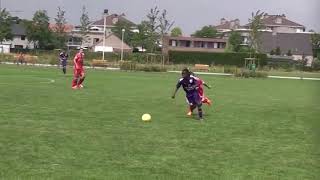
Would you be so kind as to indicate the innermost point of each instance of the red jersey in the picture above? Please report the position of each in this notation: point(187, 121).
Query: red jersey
point(200, 85)
point(78, 60)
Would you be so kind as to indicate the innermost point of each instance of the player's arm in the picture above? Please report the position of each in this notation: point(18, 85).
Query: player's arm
point(176, 90)
point(75, 61)
point(206, 85)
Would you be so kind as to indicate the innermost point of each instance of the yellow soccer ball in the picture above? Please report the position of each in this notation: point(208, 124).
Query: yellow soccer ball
point(146, 117)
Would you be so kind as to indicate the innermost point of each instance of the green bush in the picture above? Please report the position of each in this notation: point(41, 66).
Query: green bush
point(132, 66)
point(236, 59)
point(6, 57)
point(230, 69)
point(251, 74)
point(128, 66)
point(151, 68)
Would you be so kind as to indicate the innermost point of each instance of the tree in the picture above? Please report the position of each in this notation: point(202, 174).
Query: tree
point(84, 24)
point(60, 27)
point(235, 41)
point(206, 32)
point(141, 39)
point(128, 34)
point(272, 52)
point(152, 27)
point(278, 51)
point(289, 53)
point(5, 25)
point(38, 30)
point(315, 40)
point(176, 32)
point(255, 26)
point(164, 23)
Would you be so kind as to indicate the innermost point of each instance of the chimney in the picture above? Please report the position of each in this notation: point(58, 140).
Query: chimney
point(222, 21)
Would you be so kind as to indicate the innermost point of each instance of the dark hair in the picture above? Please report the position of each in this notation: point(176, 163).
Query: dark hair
point(186, 70)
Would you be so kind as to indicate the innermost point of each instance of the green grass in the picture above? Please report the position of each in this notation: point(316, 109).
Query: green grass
point(257, 129)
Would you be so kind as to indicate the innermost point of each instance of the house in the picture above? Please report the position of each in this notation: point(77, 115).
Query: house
point(193, 44)
point(112, 44)
point(227, 26)
point(298, 43)
point(19, 40)
point(280, 24)
point(67, 28)
point(96, 33)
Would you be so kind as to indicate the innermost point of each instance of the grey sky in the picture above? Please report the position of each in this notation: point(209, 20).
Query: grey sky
point(190, 15)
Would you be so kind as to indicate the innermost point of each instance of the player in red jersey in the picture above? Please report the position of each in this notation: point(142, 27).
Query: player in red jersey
point(204, 99)
point(78, 70)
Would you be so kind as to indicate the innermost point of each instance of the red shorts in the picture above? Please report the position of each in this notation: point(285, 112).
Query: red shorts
point(78, 73)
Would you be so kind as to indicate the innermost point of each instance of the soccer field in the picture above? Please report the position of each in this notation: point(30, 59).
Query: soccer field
point(256, 129)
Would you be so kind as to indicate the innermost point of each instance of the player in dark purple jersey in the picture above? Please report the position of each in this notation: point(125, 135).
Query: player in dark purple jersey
point(190, 85)
point(63, 61)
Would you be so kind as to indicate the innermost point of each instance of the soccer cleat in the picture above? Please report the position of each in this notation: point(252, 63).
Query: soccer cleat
point(189, 113)
point(74, 87)
point(81, 86)
point(209, 102)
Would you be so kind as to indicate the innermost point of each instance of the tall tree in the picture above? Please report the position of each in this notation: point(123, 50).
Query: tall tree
point(152, 25)
point(141, 39)
point(38, 31)
point(5, 25)
point(176, 32)
point(84, 24)
point(235, 41)
point(60, 28)
point(315, 40)
point(128, 34)
point(206, 32)
point(255, 26)
point(164, 23)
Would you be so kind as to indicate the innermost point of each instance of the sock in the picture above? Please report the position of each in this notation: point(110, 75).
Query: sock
point(64, 70)
point(200, 112)
point(81, 80)
point(74, 82)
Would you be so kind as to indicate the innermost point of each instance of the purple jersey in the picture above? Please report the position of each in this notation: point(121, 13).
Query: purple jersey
point(189, 85)
point(63, 59)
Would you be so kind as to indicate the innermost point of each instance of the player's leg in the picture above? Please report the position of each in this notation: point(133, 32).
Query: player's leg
point(191, 105)
point(82, 78)
point(198, 103)
point(200, 113)
point(64, 69)
point(75, 79)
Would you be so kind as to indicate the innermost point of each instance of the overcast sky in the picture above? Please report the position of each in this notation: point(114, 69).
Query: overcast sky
point(190, 15)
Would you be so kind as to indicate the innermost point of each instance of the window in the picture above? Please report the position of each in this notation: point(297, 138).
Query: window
point(174, 43)
point(23, 38)
point(96, 40)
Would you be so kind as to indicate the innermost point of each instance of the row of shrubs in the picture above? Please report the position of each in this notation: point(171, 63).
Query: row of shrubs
point(236, 59)
point(133, 66)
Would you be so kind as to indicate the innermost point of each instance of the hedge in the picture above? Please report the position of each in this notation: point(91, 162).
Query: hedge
point(237, 59)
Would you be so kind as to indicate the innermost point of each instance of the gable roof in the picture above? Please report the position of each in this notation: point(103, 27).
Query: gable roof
point(18, 29)
point(114, 42)
point(271, 20)
point(112, 19)
point(298, 43)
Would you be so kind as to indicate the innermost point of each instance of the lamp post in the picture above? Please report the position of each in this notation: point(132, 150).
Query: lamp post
point(123, 30)
point(105, 13)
